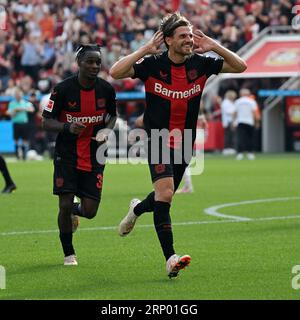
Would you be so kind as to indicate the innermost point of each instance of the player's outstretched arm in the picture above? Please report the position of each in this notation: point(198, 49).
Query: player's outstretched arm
point(232, 62)
point(124, 67)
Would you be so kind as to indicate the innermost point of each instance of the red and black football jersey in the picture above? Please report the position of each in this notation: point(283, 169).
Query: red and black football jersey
point(173, 91)
point(70, 102)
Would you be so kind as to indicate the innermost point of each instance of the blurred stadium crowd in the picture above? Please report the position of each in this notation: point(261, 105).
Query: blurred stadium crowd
point(39, 38)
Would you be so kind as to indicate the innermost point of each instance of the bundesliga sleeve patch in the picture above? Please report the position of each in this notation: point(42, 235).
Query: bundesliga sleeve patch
point(49, 106)
point(140, 61)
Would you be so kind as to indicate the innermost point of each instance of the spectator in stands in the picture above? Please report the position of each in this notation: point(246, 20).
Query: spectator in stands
point(286, 8)
point(31, 56)
point(251, 28)
point(17, 42)
point(18, 109)
point(215, 112)
point(5, 66)
point(228, 109)
point(101, 30)
point(260, 14)
point(46, 25)
point(284, 21)
point(49, 57)
point(138, 41)
point(244, 118)
point(11, 88)
point(115, 53)
point(25, 83)
point(275, 15)
point(230, 32)
point(44, 83)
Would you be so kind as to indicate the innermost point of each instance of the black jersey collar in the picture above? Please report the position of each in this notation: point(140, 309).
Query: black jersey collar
point(85, 88)
point(173, 63)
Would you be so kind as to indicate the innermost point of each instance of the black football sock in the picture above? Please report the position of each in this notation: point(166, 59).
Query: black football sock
point(24, 151)
point(5, 173)
point(163, 227)
point(147, 205)
point(17, 151)
point(77, 209)
point(66, 242)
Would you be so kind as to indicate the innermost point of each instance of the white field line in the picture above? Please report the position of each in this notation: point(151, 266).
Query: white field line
point(187, 223)
point(213, 211)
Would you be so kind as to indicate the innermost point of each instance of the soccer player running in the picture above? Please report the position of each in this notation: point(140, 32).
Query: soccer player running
point(78, 108)
point(174, 81)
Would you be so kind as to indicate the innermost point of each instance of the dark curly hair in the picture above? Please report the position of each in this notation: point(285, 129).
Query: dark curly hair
point(83, 48)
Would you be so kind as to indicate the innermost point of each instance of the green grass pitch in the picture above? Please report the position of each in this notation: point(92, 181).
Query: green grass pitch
point(231, 259)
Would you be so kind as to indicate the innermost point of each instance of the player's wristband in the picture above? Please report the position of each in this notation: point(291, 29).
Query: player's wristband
point(67, 127)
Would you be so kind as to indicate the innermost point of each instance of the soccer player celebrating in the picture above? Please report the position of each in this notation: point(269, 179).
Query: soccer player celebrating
point(78, 108)
point(174, 81)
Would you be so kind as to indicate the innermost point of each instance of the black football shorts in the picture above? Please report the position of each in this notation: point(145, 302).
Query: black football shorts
point(170, 168)
point(67, 179)
point(21, 131)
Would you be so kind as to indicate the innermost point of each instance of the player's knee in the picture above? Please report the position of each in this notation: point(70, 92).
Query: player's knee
point(89, 209)
point(90, 214)
point(165, 195)
point(66, 208)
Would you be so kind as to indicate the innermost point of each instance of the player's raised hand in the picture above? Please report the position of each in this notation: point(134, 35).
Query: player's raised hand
point(202, 42)
point(155, 42)
point(102, 136)
point(77, 127)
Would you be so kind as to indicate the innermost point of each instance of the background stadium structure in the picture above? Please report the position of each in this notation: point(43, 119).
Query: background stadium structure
point(39, 39)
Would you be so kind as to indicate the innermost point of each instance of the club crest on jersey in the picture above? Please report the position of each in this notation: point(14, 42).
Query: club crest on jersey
point(192, 74)
point(101, 103)
point(163, 75)
point(49, 106)
point(72, 104)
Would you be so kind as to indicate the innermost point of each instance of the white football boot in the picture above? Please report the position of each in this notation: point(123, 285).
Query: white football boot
point(176, 263)
point(127, 224)
point(185, 190)
point(70, 260)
